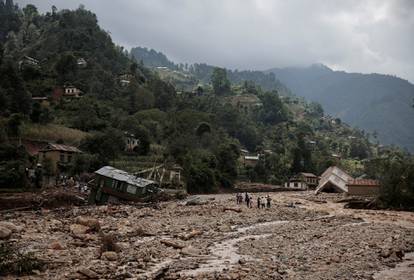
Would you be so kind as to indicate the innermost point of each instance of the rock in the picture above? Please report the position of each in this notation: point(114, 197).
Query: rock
point(190, 251)
point(55, 245)
point(385, 252)
point(196, 201)
point(110, 256)
point(10, 226)
point(88, 273)
point(91, 223)
point(172, 243)
point(76, 276)
point(5, 233)
point(335, 259)
point(78, 229)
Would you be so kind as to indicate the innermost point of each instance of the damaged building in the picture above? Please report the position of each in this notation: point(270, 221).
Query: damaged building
point(111, 185)
point(334, 179)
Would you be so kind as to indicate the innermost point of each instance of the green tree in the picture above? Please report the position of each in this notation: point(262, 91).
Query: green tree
point(142, 134)
point(220, 82)
point(13, 125)
point(106, 145)
point(397, 182)
point(66, 68)
point(199, 172)
point(273, 110)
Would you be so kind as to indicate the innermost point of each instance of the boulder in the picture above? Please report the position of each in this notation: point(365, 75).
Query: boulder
point(110, 256)
point(91, 223)
point(5, 233)
point(10, 226)
point(190, 251)
point(90, 274)
point(196, 200)
point(78, 229)
point(55, 245)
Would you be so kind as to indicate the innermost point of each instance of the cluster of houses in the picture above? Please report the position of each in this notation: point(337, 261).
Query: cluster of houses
point(110, 184)
point(336, 180)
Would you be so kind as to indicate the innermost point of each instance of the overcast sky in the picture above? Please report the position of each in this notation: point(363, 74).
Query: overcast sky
point(355, 35)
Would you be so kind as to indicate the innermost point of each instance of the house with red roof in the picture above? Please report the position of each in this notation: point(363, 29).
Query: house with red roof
point(363, 187)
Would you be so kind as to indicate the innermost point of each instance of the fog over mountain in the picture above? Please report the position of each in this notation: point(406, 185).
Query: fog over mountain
point(374, 102)
point(356, 36)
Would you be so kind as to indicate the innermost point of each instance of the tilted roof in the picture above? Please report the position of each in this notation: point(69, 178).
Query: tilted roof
point(336, 177)
point(123, 176)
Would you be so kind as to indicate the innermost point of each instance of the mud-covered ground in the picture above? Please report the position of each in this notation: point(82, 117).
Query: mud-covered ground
point(300, 237)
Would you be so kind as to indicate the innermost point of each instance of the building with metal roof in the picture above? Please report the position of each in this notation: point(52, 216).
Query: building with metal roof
point(60, 156)
point(334, 179)
point(111, 185)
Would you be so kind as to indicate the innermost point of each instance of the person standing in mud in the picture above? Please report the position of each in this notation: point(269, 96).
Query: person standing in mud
point(258, 202)
point(268, 201)
point(247, 200)
point(38, 176)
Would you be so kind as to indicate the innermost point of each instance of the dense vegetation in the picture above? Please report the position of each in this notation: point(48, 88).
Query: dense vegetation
point(202, 129)
point(379, 104)
point(187, 76)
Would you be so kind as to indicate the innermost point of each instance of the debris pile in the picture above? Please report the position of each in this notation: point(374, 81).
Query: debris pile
point(204, 239)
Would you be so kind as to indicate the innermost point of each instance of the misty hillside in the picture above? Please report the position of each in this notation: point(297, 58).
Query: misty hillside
point(372, 102)
point(201, 72)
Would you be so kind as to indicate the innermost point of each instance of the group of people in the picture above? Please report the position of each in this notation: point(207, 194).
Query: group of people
point(262, 202)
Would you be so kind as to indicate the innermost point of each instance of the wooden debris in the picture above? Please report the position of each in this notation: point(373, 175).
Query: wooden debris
point(238, 210)
point(191, 234)
point(173, 244)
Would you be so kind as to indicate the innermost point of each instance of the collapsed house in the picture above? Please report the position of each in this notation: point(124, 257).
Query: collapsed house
point(333, 179)
point(111, 185)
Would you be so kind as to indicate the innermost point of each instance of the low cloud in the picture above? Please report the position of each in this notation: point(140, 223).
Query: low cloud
point(357, 35)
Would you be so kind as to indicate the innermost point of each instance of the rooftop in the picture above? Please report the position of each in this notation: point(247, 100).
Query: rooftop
point(251, 157)
point(308, 174)
point(60, 147)
point(121, 175)
point(363, 182)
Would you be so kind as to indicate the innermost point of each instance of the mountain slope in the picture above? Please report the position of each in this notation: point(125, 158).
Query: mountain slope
point(373, 102)
point(201, 72)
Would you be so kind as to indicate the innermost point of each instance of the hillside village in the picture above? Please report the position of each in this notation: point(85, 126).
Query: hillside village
point(96, 140)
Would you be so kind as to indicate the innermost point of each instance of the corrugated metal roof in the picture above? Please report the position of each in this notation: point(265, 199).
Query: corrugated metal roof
point(60, 147)
point(308, 174)
point(251, 157)
point(121, 175)
point(364, 182)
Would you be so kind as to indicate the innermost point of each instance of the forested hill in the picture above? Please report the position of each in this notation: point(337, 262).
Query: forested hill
point(373, 102)
point(203, 130)
point(152, 58)
point(201, 72)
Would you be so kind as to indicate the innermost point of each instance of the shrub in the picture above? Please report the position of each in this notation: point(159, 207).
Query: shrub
point(13, 261)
